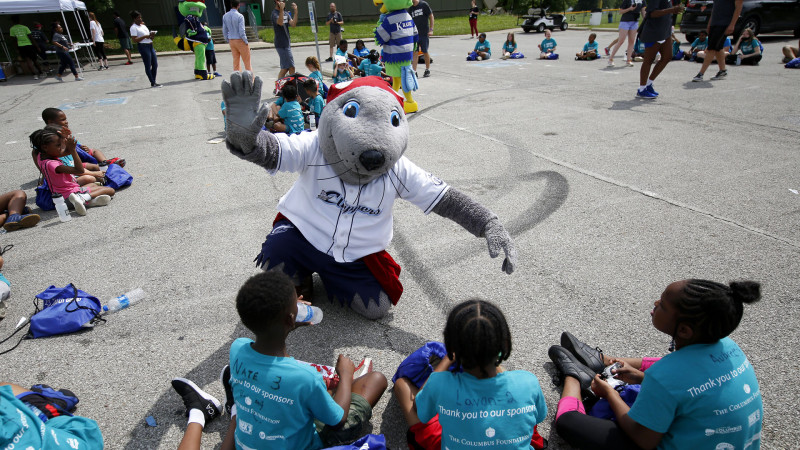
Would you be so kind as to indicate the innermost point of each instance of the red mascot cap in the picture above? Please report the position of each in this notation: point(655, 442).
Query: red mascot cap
point(376, 81)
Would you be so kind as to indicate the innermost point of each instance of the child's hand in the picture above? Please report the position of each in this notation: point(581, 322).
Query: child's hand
point(71, 143)
point(601, 388)
point(627, 373)
point(345, 367)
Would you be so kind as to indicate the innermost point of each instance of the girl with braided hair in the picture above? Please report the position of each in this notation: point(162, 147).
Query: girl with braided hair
point(702, 395)
point(469, 399)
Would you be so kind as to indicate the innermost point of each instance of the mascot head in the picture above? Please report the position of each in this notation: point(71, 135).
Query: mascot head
point(392, 5)
point(192, 8)
point(363, 130)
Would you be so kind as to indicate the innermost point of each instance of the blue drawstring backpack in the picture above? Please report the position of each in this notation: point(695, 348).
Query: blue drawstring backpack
point(517, 55)
point(793, 64)
point(417, 366)
point(117, 177)
point(553, 56)
point(368, 442)
point(64, 310)
point(602, 409)
point(472, 56)
point(44, 198)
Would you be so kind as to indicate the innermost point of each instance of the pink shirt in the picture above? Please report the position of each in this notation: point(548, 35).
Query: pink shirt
point(60, 183)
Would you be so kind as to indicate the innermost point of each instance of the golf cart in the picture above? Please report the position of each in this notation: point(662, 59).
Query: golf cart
point(537, 19)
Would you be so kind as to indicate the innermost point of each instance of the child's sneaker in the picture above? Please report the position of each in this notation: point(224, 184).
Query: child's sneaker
point(195, 398)
point(225, 378)
point(698, 77)
point(610, 63)
point(646, 94)
point(607, 52)
point(100, 200)
point(652, 91)
point(78, 203)
point(479, 58)
point(19, 221)
point(721, 75)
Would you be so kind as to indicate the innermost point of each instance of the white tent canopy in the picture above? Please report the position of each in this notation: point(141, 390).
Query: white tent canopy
point(39, 6)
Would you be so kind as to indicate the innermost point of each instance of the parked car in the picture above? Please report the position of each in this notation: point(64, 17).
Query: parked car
point(762, 16)
point(538, 19)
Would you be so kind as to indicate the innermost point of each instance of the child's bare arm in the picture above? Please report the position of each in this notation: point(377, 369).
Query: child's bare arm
point(345, 368)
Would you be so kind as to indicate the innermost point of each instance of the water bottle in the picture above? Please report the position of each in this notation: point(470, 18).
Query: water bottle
point(312, 121)
point(61, 208)
point(308, 313)
point(123, 301)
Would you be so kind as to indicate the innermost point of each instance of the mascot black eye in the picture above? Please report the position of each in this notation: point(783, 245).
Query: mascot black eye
point(394, 118)
point(350, 109)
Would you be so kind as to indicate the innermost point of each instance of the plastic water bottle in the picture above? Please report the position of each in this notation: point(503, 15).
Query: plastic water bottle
point(61, 208)
point(312, 122)
point(124, 301)
point(308, 313)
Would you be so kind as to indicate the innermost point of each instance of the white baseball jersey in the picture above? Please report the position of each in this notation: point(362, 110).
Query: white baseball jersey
point(348, 221)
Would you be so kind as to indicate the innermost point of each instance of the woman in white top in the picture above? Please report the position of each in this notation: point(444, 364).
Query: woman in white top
point(99, 42)
point(144, 40)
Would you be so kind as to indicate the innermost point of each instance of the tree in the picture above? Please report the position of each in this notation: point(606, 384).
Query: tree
point(99, 6)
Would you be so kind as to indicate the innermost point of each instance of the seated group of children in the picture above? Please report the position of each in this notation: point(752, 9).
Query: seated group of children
point(59, 157)
point(748, 49)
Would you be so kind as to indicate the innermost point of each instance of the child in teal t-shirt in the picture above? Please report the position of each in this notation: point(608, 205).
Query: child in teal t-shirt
point(315, 100)
point(211, 56)
point(589, 51)
point(548, 47)
point(290, 112)
point(699, 45)
point(479, 404)
point(281, 403)
point(482, 50)
point(509, 46)
point(343, 71)
point(370, 66)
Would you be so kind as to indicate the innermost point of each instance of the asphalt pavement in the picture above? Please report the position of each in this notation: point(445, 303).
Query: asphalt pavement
point(609, 199)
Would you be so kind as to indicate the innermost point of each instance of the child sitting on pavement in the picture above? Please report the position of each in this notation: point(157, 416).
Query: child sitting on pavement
point(589, 51)
point(53, 143)
point(55, 116)
point(548, 47)
point(315, 101)
point(370, 65)
point(342, 72)
point(509, 46)
point(477, 340)
point(286, 113)
point(482, 50)
point(699, 44)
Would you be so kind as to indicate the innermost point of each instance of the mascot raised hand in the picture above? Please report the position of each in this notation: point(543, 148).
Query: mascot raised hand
point(336, 220)
point(194, 37)
point(397, 35)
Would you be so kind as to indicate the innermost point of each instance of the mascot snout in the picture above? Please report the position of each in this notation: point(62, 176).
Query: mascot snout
point(372, 159)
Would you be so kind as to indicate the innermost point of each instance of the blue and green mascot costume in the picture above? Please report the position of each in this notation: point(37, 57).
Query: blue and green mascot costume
point(194, 37)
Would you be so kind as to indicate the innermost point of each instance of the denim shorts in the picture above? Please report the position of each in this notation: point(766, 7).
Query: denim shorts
point(632, 25)
point(285, 54)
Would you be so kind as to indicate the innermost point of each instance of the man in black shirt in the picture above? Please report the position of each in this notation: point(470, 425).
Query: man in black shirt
point(335, 20)
point(422, 14)
point(123, 36)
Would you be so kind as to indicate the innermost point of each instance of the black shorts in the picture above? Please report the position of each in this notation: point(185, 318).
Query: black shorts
point(422, 44)
point(28, 52)
point(211, 57)
point(716, 37)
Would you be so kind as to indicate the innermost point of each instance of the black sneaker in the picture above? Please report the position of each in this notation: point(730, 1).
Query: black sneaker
point(426, 74)
point(225, 378)
point(721, 75)
point(329, 59)
point(195, 398)
point(592, 357)
point(568, 365)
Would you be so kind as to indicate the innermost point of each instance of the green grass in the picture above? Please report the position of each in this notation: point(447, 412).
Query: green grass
point(446, 26)
point(582, 20)
point(162, 43)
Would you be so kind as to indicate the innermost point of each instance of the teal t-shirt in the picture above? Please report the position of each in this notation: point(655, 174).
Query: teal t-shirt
point(509, 47)
point(292, 115)
point(210, 45)
point(590, 47)
point(341, 76)
point(548, 45)
point(676, 47)
point(277, 400)
point(370, 69)
point(749, 47)
point(317, 76)
point(483, 47)
point(639, 47)
point(498, 412)
point(700, 45)
point(316, 104)
point(21, 428)
point(21, 32)
point(702, 396)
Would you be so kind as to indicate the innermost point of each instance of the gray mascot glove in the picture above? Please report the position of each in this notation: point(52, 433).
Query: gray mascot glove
point(246, 115)
point(497, 238)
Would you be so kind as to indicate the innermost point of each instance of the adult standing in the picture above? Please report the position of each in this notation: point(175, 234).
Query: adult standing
point(63, 47)
point(144, 40)
point(422, 15)
point(281, 21)
point(234, 33)
point(724, 15)
point(473, 20)
point(42, 44)
point(628, 24)
point(28, 49)
point(99, 41)
point(335, 20)
point(656, 33)
point(123, 36)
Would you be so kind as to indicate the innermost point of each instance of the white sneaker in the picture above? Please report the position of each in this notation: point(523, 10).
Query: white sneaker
point(77, 202)
point(36, 77)
point(479, 58)
point(100, 200)
point(79, 79)
point(610, 63)
point(629, 64)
